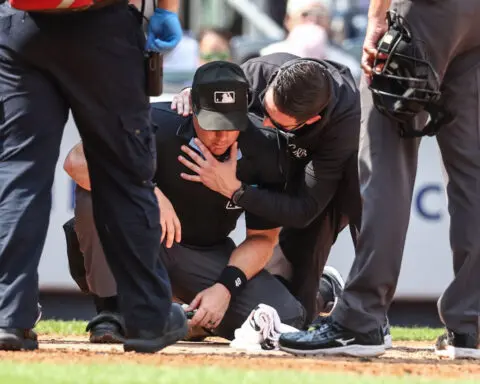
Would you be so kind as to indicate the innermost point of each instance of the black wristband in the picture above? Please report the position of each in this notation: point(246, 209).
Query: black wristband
point(233, 279)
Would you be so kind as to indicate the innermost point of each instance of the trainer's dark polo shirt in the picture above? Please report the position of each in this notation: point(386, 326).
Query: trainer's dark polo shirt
point(207, 217)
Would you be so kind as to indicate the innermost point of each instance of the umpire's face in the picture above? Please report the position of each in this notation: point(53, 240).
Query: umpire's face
point(217, 142)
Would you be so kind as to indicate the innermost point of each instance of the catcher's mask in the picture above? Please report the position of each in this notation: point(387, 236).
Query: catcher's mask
point(405, 83)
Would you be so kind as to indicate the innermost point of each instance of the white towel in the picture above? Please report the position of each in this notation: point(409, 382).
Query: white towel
point(261, 330)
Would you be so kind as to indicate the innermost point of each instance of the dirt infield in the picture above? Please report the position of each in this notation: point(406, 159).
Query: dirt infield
point(406, 358)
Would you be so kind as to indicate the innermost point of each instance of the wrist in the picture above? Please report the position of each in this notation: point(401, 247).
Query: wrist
point(233, 279)
point(224, 289)
point(236, 185)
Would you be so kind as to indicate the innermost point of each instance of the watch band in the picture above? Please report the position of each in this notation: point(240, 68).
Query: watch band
point(237, 195)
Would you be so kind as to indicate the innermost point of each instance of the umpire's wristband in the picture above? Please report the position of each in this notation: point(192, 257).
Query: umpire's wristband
point(233, 279)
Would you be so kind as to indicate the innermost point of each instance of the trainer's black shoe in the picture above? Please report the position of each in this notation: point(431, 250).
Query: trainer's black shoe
point(13, 339)
point(330, 288)
point(330, 338)
point(107, 328)
point(457, 346)
point(175, 329)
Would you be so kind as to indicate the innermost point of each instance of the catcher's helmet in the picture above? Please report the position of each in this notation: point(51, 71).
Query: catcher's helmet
point(405, 83)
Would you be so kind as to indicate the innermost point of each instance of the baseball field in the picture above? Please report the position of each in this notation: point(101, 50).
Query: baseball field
point(65, 356)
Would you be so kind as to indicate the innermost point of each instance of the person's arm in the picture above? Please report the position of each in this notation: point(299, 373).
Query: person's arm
point(378, 8)
point(76, 166)
point(376, 28)
point(336, 152)
point(250, 257)
point(255, 251)
point(338, 147)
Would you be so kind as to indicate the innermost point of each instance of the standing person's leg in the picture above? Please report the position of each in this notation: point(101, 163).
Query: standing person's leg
point(195, 269)
point(29, 148)
point(459, 306)
point(99, 62)
point(387, 174)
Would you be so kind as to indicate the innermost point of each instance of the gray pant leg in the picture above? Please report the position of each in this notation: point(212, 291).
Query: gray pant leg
point(193, 270)
point(387, 167)
point(459, 142)
point(99, 276)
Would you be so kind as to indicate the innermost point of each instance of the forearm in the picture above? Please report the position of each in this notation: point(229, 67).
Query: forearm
point(378, 8)
point(291, 211)
point(252, 255)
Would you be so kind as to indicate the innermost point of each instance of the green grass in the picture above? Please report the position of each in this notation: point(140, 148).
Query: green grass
point(78, 328)
point(63, 328)
point(415, 334)
point(47, 373)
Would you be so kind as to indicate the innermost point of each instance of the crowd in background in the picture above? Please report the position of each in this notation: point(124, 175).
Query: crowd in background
point(310, 32)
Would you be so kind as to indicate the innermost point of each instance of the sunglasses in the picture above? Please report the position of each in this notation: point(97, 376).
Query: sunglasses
point(279, 126)
point(215, 56)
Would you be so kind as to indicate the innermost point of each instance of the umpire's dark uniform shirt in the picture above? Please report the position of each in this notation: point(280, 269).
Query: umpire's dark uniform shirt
point(207, 217)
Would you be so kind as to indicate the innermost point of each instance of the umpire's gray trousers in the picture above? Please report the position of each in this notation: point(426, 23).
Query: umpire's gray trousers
point(191, 270)
point(450, 30)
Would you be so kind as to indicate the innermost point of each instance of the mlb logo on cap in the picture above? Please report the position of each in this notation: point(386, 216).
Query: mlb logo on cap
point(220, 97)
point(224, 97)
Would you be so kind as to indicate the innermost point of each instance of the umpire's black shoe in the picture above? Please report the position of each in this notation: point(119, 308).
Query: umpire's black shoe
point(106, 328)
point(175, 329)
point(330, 338)
point(13, 339)
point(458, 346)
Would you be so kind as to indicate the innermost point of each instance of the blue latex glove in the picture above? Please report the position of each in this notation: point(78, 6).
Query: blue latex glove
point(164, 31)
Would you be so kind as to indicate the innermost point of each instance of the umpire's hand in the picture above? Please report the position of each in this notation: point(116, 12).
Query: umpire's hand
point(211, 305)
point(171, 227)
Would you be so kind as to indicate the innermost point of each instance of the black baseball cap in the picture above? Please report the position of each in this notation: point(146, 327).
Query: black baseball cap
point(220, 97)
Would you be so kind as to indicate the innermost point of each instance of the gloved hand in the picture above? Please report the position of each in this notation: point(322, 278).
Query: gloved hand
point(164, 31)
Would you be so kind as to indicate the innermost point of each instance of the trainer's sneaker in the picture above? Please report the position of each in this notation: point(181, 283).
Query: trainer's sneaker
point(330, 288)
point(387, 336)
point(457, 346)
point(13, 339)
point(175, 329)
point(330, 338)
point(107, 328)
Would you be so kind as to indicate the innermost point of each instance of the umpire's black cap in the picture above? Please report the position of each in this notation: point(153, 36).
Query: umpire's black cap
point(220, 97)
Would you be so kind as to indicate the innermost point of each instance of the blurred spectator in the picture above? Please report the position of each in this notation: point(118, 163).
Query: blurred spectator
point(304, 40)
point(184, 57)
point(301, 12)
point(214, 45)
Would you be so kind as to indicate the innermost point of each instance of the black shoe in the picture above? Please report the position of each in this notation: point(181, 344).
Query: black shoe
point(175, 329)
point(107, 328)
point(13, 339)
point(330, 288)
point(457, 346)
point(330, 338)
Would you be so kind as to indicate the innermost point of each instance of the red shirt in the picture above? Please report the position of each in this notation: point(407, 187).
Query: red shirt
point(38, 5)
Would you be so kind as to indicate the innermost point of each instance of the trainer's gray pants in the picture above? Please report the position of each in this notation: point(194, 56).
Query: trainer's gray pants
point(450, 30)
point(191, 270)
